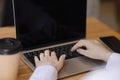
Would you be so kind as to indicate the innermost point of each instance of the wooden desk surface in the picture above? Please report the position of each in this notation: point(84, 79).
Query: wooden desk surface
point(95, 29)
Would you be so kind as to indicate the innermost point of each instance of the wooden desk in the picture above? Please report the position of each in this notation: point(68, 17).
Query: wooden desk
point(95, 29)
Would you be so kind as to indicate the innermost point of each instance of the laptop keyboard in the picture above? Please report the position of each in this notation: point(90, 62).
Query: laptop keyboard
point(65, 49)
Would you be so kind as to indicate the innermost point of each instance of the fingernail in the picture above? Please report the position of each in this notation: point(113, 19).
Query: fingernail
point(35, 56)
point(78, 50)
point(64, 55)
point(72, 49)
point(53, 52)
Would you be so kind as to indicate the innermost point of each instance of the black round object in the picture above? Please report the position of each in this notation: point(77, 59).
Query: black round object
point(9, 46)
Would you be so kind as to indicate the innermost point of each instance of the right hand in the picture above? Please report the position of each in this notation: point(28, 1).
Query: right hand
point(94, 50)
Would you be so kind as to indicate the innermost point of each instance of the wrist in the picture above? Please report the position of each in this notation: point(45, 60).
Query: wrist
point(47, 65)
point(107, 56)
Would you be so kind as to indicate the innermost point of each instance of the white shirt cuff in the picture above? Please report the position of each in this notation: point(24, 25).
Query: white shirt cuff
point(45, 72)
point(113, 62)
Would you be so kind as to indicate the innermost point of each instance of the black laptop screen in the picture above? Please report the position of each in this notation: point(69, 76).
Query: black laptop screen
point(40, 22)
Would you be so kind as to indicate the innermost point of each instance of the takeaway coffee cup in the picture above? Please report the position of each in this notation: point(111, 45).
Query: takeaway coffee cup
point(9, 58)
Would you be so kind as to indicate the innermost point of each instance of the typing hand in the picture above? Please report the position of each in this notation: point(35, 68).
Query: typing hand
point(50, 58)
point(93, 49)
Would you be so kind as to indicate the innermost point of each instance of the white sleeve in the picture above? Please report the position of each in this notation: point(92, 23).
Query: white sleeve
point(113, 62)
point(45, 72)
point(110, 72)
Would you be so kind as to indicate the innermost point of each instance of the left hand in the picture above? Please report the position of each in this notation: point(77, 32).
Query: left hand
point(50, 58)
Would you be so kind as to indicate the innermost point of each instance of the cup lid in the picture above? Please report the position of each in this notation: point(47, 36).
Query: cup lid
point(9, 46)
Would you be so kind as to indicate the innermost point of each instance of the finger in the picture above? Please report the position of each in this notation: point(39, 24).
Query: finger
point(62, 58)
point(79, 44)
point(82, 52)
point(47, 53)
point(36, 61)
point(41, 56)
point(53, 55)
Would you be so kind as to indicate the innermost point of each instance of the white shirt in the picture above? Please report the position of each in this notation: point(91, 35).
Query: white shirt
point(110, 72)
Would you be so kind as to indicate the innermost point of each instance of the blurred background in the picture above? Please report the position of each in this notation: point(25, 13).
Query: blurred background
point(107, 11)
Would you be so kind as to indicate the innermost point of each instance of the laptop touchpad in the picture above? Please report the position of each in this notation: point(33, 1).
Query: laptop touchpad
point(78, 65)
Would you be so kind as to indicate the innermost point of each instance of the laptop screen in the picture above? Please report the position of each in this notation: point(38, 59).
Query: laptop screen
point(43, 22)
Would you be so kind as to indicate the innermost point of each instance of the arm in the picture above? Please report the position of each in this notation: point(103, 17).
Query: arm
point(113, 62)
point(45, 72)
point(48, 66)
point(110, 72)
point(97, 51)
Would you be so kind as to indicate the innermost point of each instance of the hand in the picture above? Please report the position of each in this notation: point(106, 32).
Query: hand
point(50, 58)
point(94, 49)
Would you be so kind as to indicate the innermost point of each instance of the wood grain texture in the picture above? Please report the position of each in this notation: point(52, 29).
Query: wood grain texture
point(95, 29)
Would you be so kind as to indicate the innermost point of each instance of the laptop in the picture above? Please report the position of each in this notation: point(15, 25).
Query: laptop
point(55, 25)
